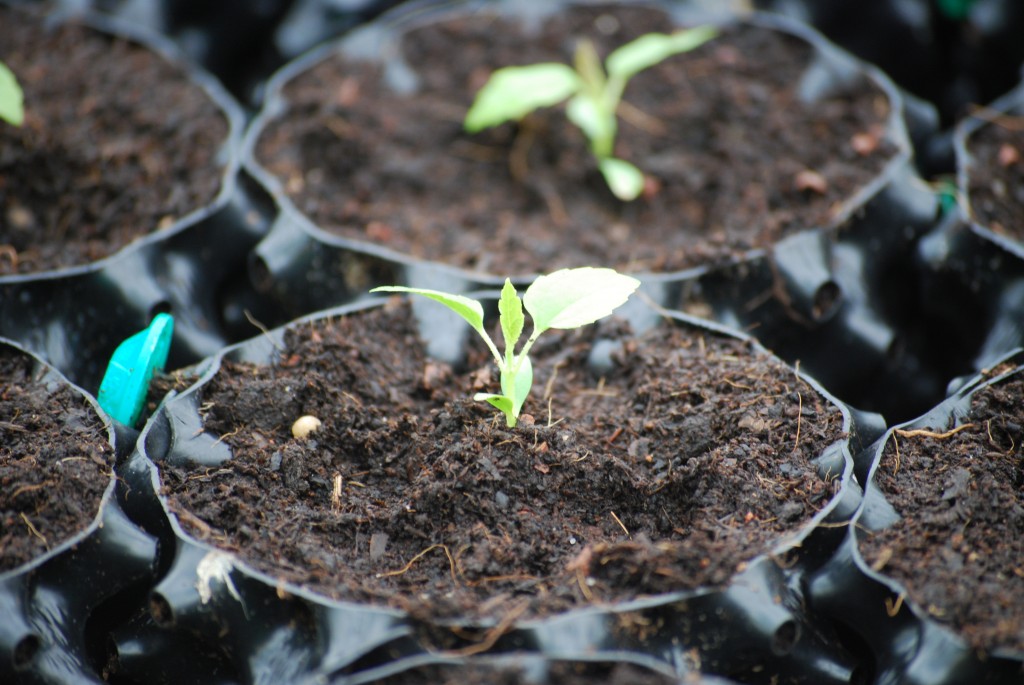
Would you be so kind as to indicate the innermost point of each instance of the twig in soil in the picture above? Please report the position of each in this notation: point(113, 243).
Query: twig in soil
point(923, 433)
point(7, 425)
point(787, 559)
point(405, 569)
point(735, 384)
point(263, 329)
point(549, 386)
point(205, 475)
point(491, 636)
point(518, 158)
point(185, 516)
point(341, 128)
point(556, 208)
point(581, 567)
point(336, 493)
point(29, 488)
point(11, 254)
point(586, 455)
point(32, 529)
point(758, 300)
point(892, 608)
point(552, 424)
point(799, 419)
point(641, 119)
point(992, 441)
point(842, 524)
point(600, 391)
point(1007, 121)
point(353, 398)
point(501, 579)
point(621, 525)
point(227, 435)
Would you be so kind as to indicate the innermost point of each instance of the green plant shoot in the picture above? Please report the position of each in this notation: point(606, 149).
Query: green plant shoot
point(593, 95)
point(564, 299)
point(11, 98)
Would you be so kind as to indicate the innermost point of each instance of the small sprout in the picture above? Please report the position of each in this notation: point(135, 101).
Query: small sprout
point(11, 98)
point(594, 93)
point(304, 425)
point(564, 299)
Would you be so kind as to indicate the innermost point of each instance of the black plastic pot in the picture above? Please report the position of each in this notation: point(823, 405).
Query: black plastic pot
point(75, 317)
point(975, 208)
point(532, 669)
point(907, 643)
point(952, 54)
point(57, 607)
point(297, 263)
point(971, 274)
point(264, 629)
point(845, 304)
point(242, 43)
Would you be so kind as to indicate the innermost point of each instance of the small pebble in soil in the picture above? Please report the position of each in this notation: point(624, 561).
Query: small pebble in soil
point(304, 425)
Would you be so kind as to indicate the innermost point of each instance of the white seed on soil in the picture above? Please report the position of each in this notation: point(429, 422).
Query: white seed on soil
point(305, 425)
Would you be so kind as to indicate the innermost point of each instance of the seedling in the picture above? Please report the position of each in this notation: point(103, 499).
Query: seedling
point(593, 92)
point(11, 98)
point(564, 299)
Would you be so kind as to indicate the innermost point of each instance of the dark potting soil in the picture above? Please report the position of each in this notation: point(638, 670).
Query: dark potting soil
point(55, 462)
point(116, 143)
point(996, 176)
point(686, 460)
point(557, 674)
point(735, 160)
point(959, 548)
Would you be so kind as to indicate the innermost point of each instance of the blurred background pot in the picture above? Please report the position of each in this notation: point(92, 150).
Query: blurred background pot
point(94, 157)
point(343, 102)
point(929, 578)
point(242, 43)
point(990, 171)
point(70, 559)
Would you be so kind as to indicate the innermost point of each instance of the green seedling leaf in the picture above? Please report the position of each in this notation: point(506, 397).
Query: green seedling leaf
point(598, 124)
point(510, 308)
point(594, 93)
point(518, 386)
point(502, 403)
point(469, 309)
point(588, 66)
point(11, 97)
point(514, 92)
point(570, 298)
point(624, 179)
point(653, 48)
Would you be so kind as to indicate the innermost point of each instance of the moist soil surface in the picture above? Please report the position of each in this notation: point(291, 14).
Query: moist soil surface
point(959, 546)
point(116, 143)
point(674, 468)
point(735, 160)
point(996, 176)
point(55, 462)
